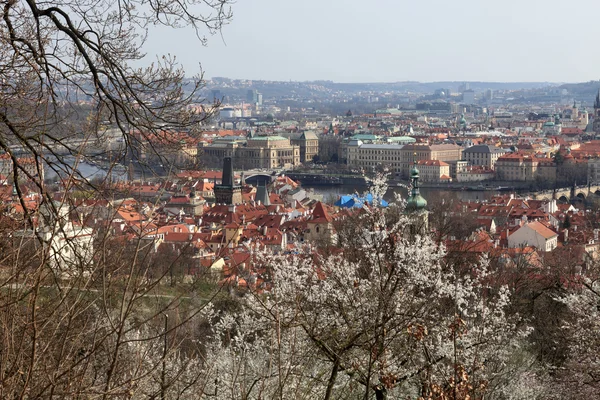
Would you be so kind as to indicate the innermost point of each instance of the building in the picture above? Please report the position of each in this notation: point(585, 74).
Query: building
point(593, 166)
point(525, 168)
point(270, 152)
point(252, 96)
point(412, 153)
point(260, 151)
point(320, 226)
point(5, 164)
point(434, 170)
point(307, 141)
point(596, 124)
point(370, 156)
point(191, 204)
point(483, 155)
point(70, 245)
point(227, 192)
point(534, 234)
point(468, 97)
point(456, 167)
point(475, 173)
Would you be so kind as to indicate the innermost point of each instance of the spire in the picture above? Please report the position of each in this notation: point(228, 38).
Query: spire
point(262, 194)
point(320, 214)
point(227, 172)
point(597, 102)
point(415, 202)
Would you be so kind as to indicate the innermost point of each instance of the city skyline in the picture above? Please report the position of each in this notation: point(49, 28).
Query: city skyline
point(384, 41)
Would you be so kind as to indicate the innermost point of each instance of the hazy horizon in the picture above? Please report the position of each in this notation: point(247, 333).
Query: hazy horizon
point(351, 41)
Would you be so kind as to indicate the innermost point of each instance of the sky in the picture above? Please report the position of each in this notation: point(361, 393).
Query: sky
point(396, 40)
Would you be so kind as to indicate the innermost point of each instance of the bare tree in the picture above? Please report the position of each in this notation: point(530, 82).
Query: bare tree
point(85, 313)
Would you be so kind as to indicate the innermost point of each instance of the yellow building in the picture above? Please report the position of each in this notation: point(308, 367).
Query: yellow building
point(253, 152)
point(433, 171)
point(412, 153)
point(308, 143)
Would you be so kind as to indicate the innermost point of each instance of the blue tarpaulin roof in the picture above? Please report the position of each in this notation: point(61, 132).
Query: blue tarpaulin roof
point(353, 200)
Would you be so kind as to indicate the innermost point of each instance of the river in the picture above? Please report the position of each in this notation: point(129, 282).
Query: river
point(87, 170)
point(334, 192)
point(329, 193)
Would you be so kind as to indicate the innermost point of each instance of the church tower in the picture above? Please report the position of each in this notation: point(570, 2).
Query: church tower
point(415, 206)
point(596, 126)
point(228, 193)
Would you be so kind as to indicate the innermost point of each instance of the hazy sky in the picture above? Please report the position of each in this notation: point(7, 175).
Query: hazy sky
point(397, 40)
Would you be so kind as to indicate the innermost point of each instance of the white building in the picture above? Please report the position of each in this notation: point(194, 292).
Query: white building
point(474, 173)
point(534, 234)
point(70, 245)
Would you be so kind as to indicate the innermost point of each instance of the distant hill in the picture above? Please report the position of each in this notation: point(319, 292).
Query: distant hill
point(585, 89)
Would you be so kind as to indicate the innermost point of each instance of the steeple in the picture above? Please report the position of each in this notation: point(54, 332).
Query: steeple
point(227, 172)
point(227, 192)
point(416, 202)
point(262, 194)
point(597, 102)
point(415, 207)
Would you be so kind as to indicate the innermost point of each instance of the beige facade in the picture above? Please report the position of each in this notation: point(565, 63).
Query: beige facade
point(475, 174)
point(399, 158)
point(416, 152)
point(525, 168)
point(256, 152)
point(368, 156)
point(433, 171)
point(308, 142)
point(483, 155)
point(270, 152)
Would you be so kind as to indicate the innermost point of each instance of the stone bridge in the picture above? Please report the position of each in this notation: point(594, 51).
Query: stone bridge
point(259, 178)
point(568, 194)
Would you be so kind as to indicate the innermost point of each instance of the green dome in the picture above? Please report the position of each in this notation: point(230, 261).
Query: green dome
point(414, 173)
point(415, 202)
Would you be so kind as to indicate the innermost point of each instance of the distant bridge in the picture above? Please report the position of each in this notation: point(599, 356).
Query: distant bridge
point(568, 194)
point(255, 178)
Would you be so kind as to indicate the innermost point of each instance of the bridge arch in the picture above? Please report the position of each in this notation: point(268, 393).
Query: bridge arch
point(563, 199)
point(256, 179)
point(580, 196)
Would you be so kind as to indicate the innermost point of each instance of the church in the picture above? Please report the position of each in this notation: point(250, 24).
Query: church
point(596, 124)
